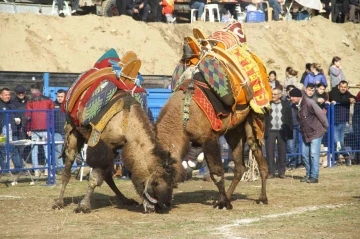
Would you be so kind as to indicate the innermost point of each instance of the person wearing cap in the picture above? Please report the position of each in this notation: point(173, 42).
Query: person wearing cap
point(37, 122)
point(313, 125)
point(19, 101)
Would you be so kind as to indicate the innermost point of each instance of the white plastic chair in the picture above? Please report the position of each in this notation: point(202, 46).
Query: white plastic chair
point(211, 8)
point(193, 14)
point(67, 10)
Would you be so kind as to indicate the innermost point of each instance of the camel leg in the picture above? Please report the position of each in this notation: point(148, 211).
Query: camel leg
point(236, 142)
point(124, 200)
point(213, 158)
point(96, 179)
point(254, 145)
point(71, 148)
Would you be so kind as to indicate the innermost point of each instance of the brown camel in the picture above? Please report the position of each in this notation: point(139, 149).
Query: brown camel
point(182, 119)
point(128, 128)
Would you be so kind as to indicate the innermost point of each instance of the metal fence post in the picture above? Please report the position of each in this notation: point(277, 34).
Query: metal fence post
point(332, 143)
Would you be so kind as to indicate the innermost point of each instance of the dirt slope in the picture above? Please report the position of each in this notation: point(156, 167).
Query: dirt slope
point(30, 42)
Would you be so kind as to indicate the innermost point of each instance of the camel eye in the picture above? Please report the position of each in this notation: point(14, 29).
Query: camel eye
point(155, 184)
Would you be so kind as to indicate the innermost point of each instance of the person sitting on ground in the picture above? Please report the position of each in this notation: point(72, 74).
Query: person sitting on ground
point(74, 7)
point(167, 10)
point(316, 75)
point(138, 9)
point(199, 5)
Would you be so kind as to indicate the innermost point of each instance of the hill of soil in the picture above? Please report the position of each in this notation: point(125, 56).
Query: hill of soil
point(32, 42)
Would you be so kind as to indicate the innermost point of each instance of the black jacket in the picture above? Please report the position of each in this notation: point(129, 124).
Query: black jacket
point(286, 130)
point(342, 111)
point(59, 119)
point(8, 106)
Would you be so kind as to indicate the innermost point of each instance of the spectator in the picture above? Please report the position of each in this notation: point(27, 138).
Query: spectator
point(37, 124)
point(199, 5)
point(306, 72)
point(321, 96)
point(167, 10)
point(19, 101)
point(313, 124)
point(274, 83)
point(310, 91)
point(358, 97)
point(138, 9)
point(292, 145)
point(291, 78)
point(335, 72)
point(59, 123)
point(340, 94)
point(339, 9)
point(155, 10)
point(316, 75)
point(13, 120)
point(121, 6)
point(74, 7)
point(276, 5)
point(354, 6)
point(278, 128)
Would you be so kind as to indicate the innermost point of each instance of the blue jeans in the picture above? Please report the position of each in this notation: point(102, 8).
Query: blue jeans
point(14, 154)
point(311, 157)
point(58, 149)
point(293, 148)
point(199, 6)
point(277, 8)
point(38, 136)
point(339, 135)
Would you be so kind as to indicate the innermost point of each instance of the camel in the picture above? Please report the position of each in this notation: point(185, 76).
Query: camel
point(184, 119)
point(122, 124)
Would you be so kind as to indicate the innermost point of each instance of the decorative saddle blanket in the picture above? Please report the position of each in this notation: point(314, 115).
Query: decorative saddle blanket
point(229, 68)
point(94, 89)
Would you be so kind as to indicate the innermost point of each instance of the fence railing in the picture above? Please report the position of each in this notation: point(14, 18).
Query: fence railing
point(344, 126)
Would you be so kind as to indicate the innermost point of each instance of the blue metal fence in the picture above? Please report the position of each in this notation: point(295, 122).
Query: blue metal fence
point(350, 146)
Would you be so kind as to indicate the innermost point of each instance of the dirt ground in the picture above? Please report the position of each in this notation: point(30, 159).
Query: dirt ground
point(329, 209)
point(31, 42)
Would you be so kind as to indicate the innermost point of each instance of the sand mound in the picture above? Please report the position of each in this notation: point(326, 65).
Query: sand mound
point(31, 42)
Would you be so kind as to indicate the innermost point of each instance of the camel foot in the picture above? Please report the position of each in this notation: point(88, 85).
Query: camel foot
point(223, 203)
point(129, 202)
point(264, 200)
point(59, 204)
point(83, 207)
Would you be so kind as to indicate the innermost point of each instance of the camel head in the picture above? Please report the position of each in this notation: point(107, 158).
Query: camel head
point(158, 188)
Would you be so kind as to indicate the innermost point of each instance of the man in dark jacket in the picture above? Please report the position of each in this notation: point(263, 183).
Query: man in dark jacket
point(59, 122)
point(278, 128)
point(13, 121)
point(38, 122)
point(340, 96)
point(313, 125)
point(138, 9)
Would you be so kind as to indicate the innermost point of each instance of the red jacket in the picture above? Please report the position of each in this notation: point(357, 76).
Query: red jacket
point(37, 119)
point(168, 6)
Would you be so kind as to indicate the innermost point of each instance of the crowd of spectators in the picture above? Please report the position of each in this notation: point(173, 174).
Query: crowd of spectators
point(30, 120)
point(306, 99)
